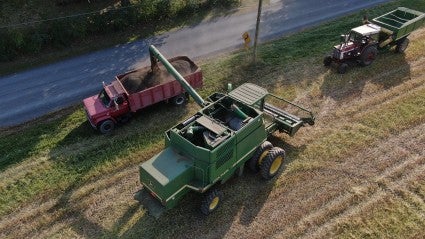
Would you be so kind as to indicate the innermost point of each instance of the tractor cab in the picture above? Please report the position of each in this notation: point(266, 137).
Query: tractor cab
point(364, 34)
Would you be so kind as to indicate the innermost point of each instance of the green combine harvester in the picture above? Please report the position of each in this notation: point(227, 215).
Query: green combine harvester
point(214, 144)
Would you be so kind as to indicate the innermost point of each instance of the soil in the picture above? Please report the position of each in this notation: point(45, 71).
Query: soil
point(145, 78)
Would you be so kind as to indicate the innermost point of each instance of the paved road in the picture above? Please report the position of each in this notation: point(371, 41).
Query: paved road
point(30, 94)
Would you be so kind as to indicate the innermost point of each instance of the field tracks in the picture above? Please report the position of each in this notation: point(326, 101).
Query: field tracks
point(393, 181)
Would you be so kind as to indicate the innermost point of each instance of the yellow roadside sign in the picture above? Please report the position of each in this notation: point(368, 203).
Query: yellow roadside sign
point(246, 39)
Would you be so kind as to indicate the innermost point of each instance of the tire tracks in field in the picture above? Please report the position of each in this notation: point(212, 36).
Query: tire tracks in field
point(354, 112)
point(388, 189)
point(390, 181)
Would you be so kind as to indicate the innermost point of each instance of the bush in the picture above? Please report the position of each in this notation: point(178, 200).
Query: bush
point(63, 32)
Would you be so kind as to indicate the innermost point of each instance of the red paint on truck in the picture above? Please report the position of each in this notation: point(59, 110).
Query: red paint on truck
point(115, 103)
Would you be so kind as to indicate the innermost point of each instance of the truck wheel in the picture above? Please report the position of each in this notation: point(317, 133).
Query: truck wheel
point(125, 118)
point(106, 126)
point(402, 45)
point(342, 68)
point(211, 201)
point(368, 55)
point(272, 163)
point(327, 61)
point(179, 99)
point(259, 155)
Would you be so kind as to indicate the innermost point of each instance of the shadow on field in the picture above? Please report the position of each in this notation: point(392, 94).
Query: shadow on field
point(83, 150)
point(388, 70)
point(19, 142)
point(244, 198)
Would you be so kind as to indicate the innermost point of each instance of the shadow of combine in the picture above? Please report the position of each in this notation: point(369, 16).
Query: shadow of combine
point(76, 154)
point(244, 198)
point(387, 71)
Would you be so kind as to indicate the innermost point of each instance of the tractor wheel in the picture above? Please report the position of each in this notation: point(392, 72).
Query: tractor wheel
point(368, 55)
point(327, 61)
point(106, 126)
point(211, 201)
point(259, 155)
point(342, 68)
point(179, 100)
point(272, 163)
point(402, 45)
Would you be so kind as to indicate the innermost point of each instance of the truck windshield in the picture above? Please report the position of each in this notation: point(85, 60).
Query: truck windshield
point(106, 101)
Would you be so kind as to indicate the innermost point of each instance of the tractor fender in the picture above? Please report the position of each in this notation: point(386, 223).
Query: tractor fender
point(370, 45)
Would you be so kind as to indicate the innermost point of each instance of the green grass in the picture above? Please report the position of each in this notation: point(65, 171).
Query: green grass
point(60, 154)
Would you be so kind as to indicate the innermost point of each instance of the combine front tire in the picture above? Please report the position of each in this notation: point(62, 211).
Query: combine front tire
point(368, 55)
point(211, 201)
point(106, 126)
point(342, 68)
point(402, 45)
point(327, 61)
point(259, 155)
point(272, 163)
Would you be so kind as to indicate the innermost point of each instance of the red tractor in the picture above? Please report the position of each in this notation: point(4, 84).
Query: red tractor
point(362, 43)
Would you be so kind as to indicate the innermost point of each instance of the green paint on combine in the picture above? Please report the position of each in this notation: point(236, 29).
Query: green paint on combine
point(215, 143)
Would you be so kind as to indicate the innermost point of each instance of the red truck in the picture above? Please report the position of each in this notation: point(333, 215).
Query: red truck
point(138, 89)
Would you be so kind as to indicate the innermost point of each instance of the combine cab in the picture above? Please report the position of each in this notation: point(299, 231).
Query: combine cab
point(212, 145)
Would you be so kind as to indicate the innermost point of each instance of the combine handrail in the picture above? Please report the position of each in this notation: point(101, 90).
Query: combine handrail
point(293, 104)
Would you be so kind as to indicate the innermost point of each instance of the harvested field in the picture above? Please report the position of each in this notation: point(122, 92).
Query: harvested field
point(359, 172)
point(145, 78)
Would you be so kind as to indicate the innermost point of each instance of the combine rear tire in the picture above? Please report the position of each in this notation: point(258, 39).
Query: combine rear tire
point(368, 55)
point(179, 100)
point(259, 155)
point(106, 126)
point(402, 45)
point(327, 61)
point(211, 201)
point(272, 163)
point(342, 68)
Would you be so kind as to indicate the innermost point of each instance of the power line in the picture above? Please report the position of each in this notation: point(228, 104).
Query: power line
point(65, 17)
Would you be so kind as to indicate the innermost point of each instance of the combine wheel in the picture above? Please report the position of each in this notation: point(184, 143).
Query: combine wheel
point(259, 155)
point(179, 99)
point(211, 201)
point(106, 126)
point(368, 55)
point(402, 45)
point(327, 61)
point(342, 68)
point(272, 163)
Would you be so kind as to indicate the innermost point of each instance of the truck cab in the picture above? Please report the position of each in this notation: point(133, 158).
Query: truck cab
point(107, 108)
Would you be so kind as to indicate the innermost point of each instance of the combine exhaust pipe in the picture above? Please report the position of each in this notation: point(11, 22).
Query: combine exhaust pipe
point(154, 53)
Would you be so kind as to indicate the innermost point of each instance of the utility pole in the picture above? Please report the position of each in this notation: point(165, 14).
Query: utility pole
point(257, 28)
